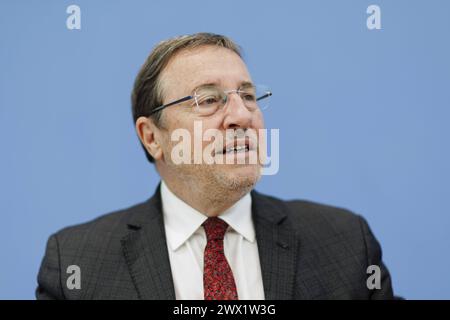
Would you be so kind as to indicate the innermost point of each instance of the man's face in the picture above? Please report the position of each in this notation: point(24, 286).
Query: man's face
point(185, 72)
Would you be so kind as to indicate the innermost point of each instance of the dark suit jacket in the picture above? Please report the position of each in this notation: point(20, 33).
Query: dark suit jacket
point(307, 251)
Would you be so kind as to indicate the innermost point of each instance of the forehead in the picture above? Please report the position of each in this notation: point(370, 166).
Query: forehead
point(207, 64)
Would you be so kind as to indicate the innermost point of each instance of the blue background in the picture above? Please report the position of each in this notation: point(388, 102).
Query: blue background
point(363, 118)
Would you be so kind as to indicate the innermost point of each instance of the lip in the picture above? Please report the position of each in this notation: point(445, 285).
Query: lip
point(247, 142)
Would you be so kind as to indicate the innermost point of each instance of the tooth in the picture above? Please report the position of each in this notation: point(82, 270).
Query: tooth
point(236, 149)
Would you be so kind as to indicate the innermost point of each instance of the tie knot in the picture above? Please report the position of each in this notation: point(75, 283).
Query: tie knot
point(215, 228)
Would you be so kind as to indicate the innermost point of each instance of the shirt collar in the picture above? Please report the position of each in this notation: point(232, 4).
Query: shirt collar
point(181, 220)
point(239, 217)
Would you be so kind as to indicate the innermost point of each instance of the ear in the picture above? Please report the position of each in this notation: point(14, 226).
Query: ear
point(149, 134)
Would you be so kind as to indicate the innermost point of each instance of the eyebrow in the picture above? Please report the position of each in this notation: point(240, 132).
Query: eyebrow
point(244, 84)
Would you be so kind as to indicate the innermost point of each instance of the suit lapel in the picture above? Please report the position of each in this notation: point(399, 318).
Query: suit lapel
point(277, 246)
point(145, 252)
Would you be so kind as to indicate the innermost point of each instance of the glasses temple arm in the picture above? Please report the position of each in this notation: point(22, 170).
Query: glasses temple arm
point(268, 94)
point(170, 104)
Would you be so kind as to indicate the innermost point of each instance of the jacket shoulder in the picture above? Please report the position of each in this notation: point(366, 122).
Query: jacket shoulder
point(305, 214)
point(336, 247)
point(94, 247)
point(110, 224)
point(315, 211)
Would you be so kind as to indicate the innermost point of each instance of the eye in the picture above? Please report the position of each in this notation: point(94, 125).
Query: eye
point(207, 101)
point(248, 97)
point(210, 100)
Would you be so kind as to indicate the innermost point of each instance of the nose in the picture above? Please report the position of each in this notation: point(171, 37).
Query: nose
point(236, 113)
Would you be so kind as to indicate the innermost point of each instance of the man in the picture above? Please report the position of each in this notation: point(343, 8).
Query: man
point(205, 233)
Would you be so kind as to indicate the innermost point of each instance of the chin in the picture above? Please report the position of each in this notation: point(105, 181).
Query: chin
point(238, 177)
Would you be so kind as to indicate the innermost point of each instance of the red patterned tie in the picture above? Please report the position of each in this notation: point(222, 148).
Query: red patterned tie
point(218, 280)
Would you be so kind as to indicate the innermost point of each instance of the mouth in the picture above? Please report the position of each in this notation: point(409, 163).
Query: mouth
point(237, 146)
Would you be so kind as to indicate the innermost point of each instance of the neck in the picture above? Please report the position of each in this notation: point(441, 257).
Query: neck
point(210, 200)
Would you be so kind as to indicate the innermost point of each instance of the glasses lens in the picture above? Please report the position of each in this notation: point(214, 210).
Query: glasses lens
point(256, 97)
point(209, 99)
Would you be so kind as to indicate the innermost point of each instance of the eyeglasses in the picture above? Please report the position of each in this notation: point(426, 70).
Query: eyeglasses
point(209, 99)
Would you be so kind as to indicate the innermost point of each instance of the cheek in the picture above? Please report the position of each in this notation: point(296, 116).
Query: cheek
point(258, 120)
point(183, 131)
point(210, 130)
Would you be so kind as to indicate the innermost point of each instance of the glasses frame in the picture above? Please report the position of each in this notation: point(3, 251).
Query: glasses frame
point(187, 98)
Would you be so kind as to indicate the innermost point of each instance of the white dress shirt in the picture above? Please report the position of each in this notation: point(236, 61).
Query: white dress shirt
point(186, 242)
